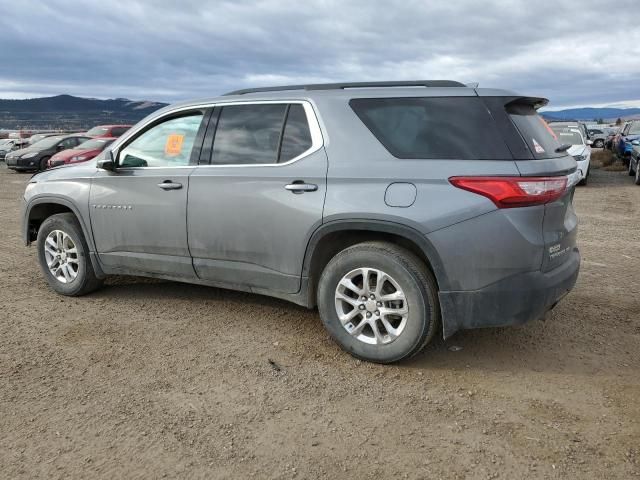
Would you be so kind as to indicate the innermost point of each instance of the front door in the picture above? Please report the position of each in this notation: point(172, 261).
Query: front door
point(253, 206)
point(139, 211)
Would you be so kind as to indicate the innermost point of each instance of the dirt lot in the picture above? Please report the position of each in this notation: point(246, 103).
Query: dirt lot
point(155, 379)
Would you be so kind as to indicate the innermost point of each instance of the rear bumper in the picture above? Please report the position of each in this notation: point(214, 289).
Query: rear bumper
point(512, 301)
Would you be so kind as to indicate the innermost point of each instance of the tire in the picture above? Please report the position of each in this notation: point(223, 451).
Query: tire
point(637, 178)
point(598, 144)
point(417, 287)
point(631, 172)
point(75, 277)
point(42, 164)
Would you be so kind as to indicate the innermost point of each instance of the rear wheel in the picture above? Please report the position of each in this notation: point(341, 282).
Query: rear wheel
point(379, 302)
point(64, 256)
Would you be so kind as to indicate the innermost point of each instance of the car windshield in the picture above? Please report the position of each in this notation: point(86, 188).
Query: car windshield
point(568, 135)
point(94, 144)
point(97, 131)
point(47, 142)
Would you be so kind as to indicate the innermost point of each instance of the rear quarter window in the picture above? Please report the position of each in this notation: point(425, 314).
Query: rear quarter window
point(433, 127)
point(535, 131)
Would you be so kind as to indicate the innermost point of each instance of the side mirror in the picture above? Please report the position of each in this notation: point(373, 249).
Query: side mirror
point(636, 143)
point(107, 163)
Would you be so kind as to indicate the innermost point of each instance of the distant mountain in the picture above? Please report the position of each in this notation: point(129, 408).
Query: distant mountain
point(69, 112)
point(589, 113)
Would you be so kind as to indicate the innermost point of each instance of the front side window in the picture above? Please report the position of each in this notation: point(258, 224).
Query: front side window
point(248, 134)
point(433, 127)
point(68, 143)
point(167, 144)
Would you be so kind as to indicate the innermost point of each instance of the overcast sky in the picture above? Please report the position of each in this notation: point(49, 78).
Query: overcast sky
point(573, 52)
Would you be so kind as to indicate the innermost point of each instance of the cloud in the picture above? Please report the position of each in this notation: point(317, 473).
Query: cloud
point(571, 52)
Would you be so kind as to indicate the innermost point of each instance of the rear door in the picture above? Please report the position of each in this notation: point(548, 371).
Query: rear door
point(139, 211)
point(257, 195)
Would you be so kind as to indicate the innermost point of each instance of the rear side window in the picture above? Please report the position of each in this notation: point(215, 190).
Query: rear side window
point(430, 128)
point(248, 134)
point(260, 134)
point(537, 134)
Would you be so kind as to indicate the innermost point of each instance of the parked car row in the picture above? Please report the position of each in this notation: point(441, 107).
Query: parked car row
point(48, 150)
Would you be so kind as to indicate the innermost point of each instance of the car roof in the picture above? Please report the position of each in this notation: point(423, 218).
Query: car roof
point(415, 88)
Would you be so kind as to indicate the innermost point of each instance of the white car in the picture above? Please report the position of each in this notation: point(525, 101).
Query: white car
point(580, 148)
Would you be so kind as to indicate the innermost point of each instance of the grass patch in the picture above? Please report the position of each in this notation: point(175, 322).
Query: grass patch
point(602, 159)
point(616, 167)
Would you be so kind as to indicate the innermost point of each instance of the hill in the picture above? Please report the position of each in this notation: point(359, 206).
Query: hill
point(69, 112)
point(590, 113)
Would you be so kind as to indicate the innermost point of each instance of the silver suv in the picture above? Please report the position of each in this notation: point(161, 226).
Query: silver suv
point(399, 209)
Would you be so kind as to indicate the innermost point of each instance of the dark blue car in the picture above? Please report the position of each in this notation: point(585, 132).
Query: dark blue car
point(624, 147)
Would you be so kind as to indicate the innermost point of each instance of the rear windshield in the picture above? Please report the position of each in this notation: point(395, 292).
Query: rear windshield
point(438, 127)
point(634, 129)
point(542, 141)
point(569, 136)
point(96, 131)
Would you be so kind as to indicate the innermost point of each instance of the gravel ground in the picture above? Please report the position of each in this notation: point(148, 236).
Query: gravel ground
point(148, 379)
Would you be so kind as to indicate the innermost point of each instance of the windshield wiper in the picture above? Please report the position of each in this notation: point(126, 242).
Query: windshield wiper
point(563, 148)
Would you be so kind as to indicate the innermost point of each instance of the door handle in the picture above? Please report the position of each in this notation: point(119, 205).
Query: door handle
point(300, 187)
point(169, 185)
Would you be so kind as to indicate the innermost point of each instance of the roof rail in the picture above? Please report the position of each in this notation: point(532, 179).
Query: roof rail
point(342, 86)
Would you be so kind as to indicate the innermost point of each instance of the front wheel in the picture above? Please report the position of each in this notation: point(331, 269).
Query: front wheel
point(630, 171)
point(64, 256)
point(379, 302)
point(43, 164)
point(637, 179)
point(598, 144)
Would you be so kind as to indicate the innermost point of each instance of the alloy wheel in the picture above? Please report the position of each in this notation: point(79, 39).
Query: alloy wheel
point(61, 255)
point(371, 306)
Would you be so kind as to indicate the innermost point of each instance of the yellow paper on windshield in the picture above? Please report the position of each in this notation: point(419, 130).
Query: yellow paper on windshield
point(174, 143)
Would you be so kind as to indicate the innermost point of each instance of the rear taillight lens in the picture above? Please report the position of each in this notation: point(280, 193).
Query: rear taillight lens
point(509, 192)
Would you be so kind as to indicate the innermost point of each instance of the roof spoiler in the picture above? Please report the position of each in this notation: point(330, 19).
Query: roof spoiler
point(535, 102)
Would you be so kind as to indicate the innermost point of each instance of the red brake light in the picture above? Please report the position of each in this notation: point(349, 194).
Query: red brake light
point(509, 192)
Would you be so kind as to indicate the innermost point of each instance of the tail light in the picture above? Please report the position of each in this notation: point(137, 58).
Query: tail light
point(510, 192)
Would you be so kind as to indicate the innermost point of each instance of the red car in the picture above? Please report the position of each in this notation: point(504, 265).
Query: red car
point(83, 152)
point(108, 131)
